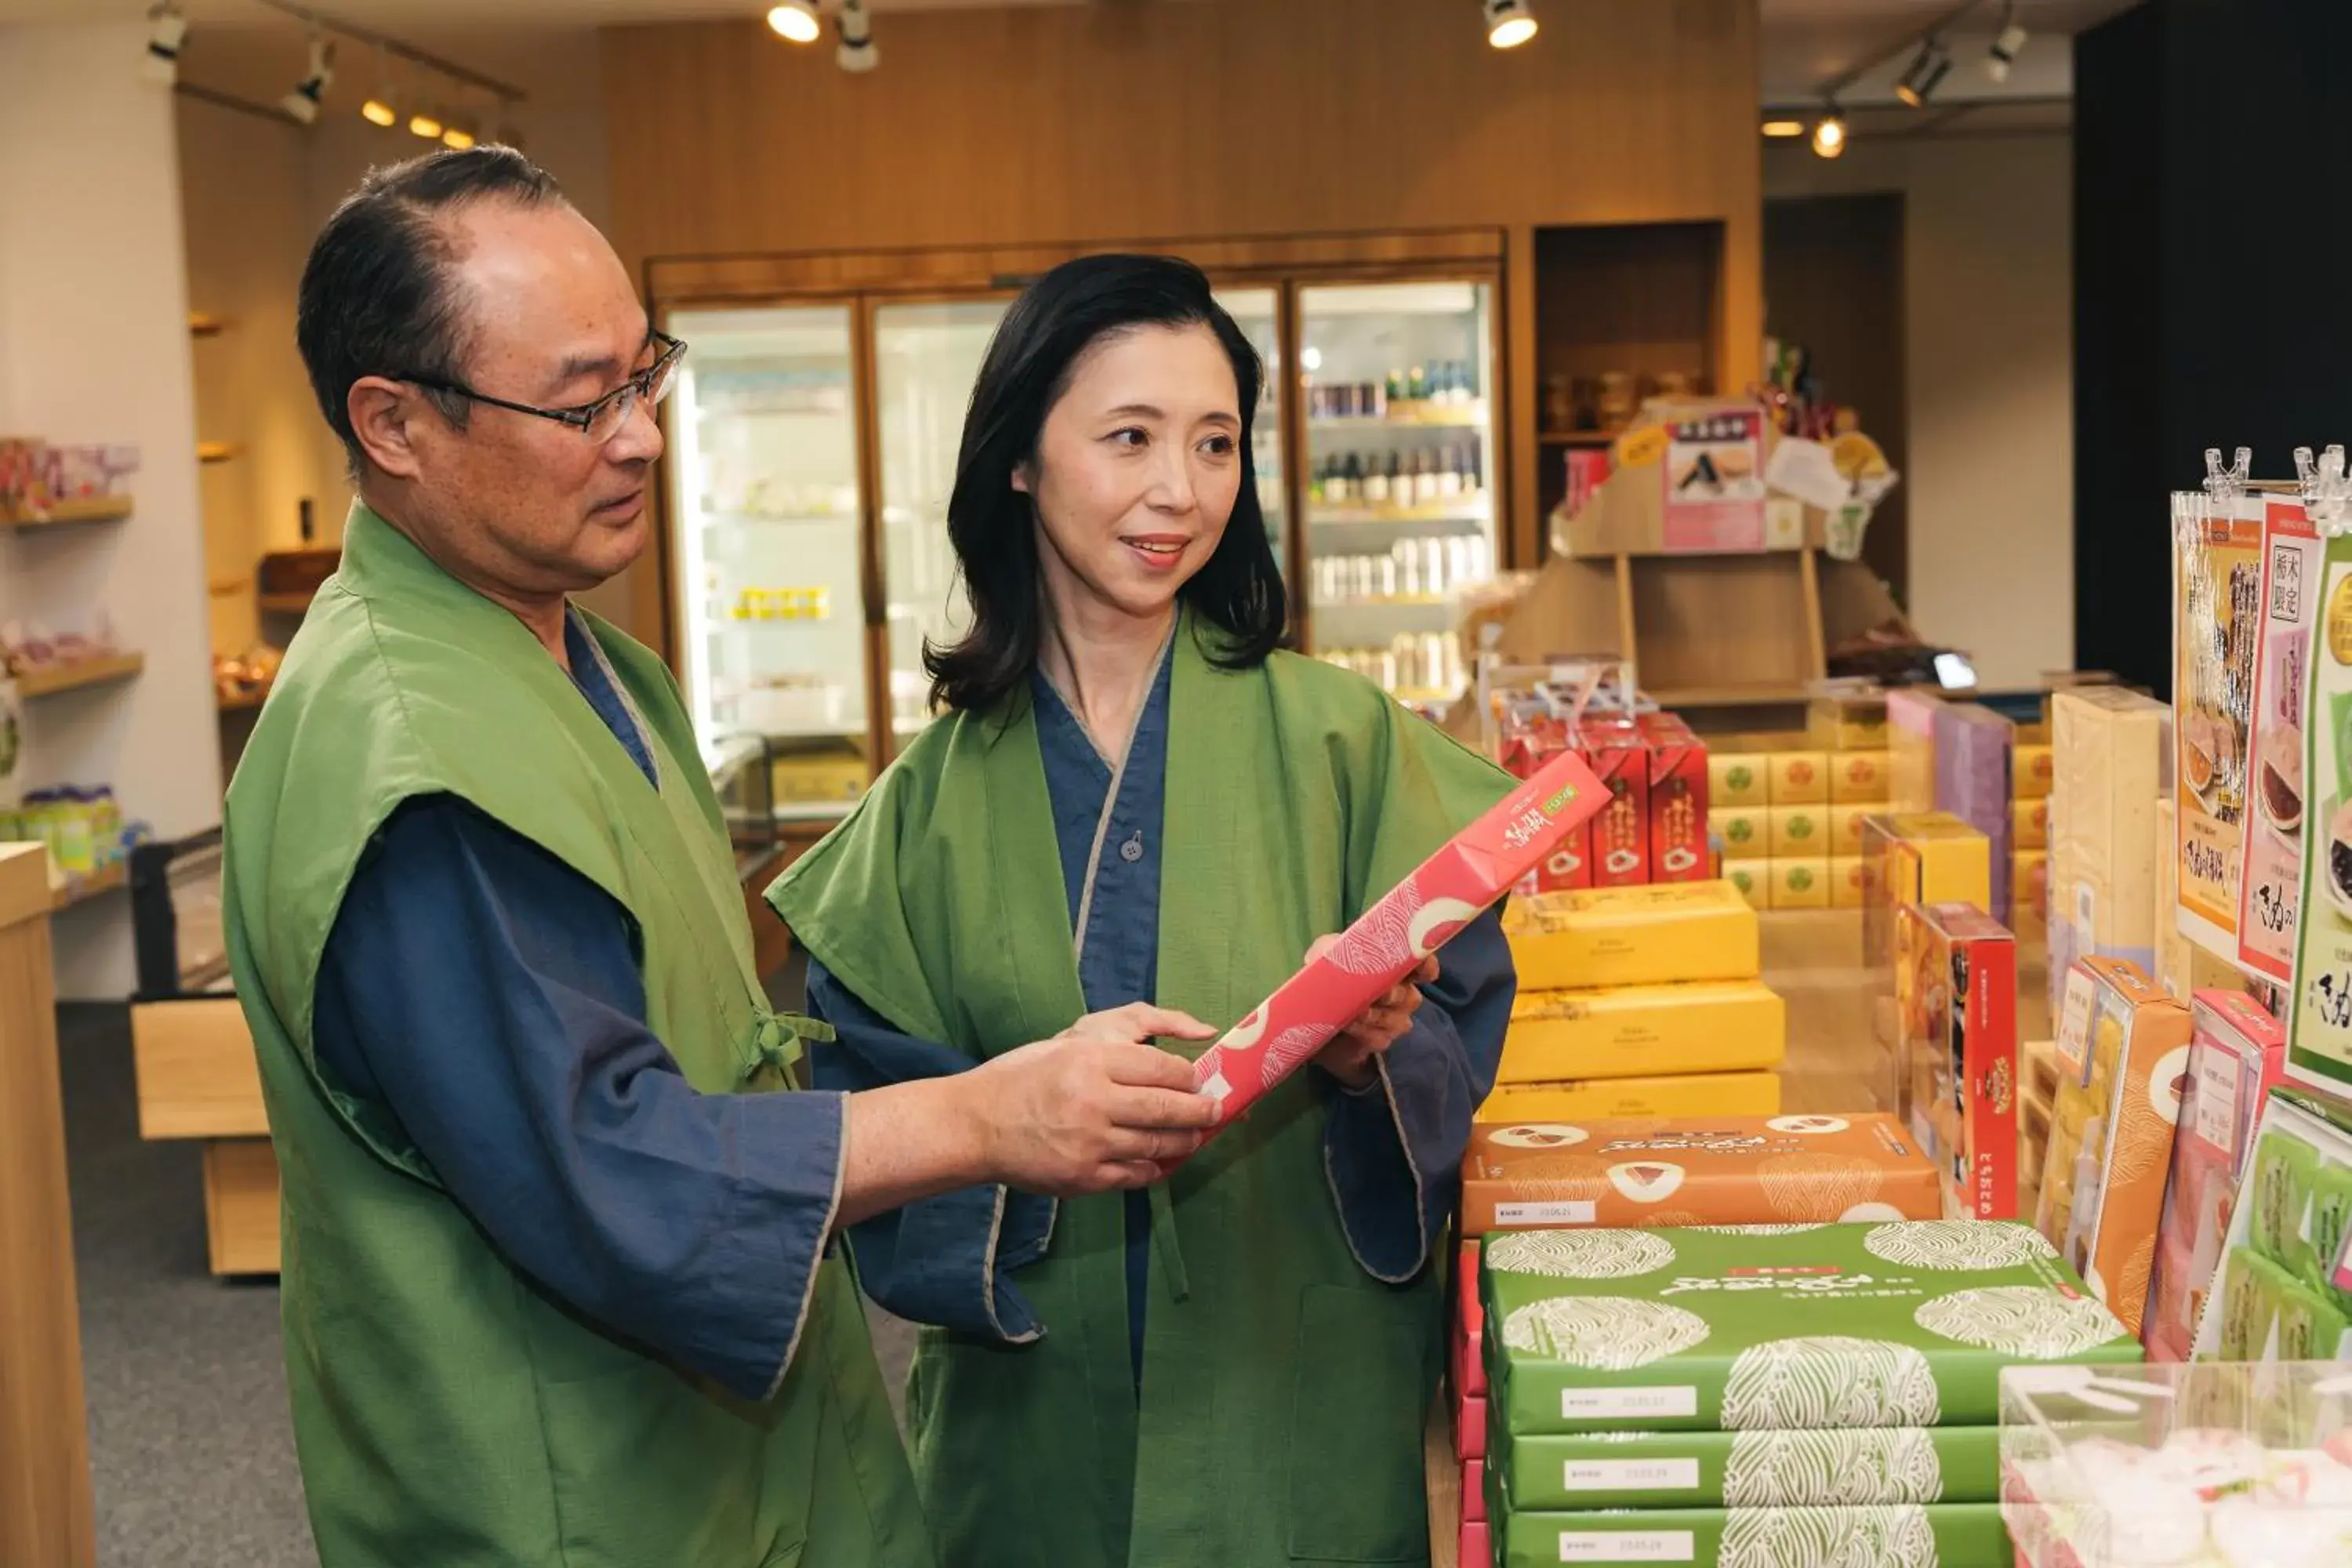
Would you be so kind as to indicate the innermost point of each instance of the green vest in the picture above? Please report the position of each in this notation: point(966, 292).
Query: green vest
point(1285, 1390)
point(448, 1412)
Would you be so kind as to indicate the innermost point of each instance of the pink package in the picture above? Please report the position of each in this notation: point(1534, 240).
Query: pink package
point(1476, 867)
point(1473, 1491)
point(1470, 1328)
point(2234, 1057)
point(1474, 1550)
point(1470, 1429)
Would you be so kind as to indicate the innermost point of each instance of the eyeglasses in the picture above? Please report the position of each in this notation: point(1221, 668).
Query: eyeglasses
point(599, 421)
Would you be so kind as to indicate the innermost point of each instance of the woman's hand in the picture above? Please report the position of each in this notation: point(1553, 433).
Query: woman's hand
point(1351, 1056)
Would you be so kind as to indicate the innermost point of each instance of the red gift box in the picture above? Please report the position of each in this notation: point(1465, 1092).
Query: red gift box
point(1568, 865)
point(1620, 833)
point(1469, 1328)
point(1678, 801)
point(1473, 1491)
point(1469, 1429)
point(1476, 1551)
point(1445, 893)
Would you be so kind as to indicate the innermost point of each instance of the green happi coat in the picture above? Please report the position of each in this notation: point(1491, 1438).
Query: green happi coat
point(1284, 1389)
point(447, 1413)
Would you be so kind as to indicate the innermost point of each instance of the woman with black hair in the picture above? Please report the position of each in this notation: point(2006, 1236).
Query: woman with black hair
point(1135, 795)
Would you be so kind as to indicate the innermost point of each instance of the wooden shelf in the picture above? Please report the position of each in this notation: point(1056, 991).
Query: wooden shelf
point(205, 324)
point(284, 604)
point(1438, 416)
point(102, 509)
point(1582, 438)
point(1464, 510)
point(216, 451)
point(49, 679)
point(1760, 696)
point(80, 890)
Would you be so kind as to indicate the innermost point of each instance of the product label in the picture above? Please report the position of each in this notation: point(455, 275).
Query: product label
point(2274, 831)
point(2319, 1032)
point(1627, 1546)
point(1714, 480)
point(1631, 1475)
point(2216, 1098)
point(1627, 1403)
point(1564, 1211)
point(2075, 1025)
point(2218, 611)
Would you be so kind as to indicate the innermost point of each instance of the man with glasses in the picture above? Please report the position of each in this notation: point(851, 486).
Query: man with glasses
point(560, 1284)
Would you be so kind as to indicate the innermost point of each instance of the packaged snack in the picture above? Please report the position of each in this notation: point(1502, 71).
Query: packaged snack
point(1753, 880)
point(2270, 890)
point(1633, 936)
point(1640, 1031)
point(1845, 831)
point(1848, 721)
point(1973, 756)
point(1849, 883)
point(1798, 832)
point(1860, 778)
point(1678, 800)
point(1800, 884)
point(1745, 832)
point(1736, 779)
point(2036, 769)
point(1620, 833)
point(1691, 1094)
point(1833, 1467)
point(2218, 566)
point(1911, 749)
point(1725, 1170)
point(1800, 778)
point(1948, 1535)
point(2030, 828)
point(1960, 1055)
point(2112, 749)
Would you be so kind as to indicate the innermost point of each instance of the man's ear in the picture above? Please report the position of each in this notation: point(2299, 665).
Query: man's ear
point(384, 416)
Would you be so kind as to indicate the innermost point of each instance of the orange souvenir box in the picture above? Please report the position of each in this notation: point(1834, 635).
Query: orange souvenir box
point(1957, 981)
point(2123, 1055)
point(1723, 1170)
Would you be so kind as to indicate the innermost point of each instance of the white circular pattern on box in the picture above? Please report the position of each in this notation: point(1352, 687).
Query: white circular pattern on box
point(1808, 1126)
point(2163, 1081)
point(1870, 1213)
point(2021, 1320)
point(1897, 1537)
point(1436, 922)
point(1761, 1229)
point(1857, 1467)
point(1246, 1034)
point(1830, 1380)
point(1580, 1254)
point(1540, 1135)
point(1605, 1333)
point(1646, 1181)
point(1957, 1244)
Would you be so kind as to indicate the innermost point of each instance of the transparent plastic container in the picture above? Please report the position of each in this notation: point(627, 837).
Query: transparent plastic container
point(2203, 1465)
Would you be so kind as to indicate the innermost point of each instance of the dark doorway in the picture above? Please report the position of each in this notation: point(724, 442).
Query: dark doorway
point(1834, 283)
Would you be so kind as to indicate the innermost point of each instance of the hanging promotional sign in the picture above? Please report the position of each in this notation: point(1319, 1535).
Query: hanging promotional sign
point(2272, 889)
point(2217, 625)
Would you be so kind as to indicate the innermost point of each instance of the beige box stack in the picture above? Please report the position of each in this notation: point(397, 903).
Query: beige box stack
point(2111, 773)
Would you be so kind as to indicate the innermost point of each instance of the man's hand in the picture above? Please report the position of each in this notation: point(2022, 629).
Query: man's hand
point(1096, 1107)
point(1351, 1056)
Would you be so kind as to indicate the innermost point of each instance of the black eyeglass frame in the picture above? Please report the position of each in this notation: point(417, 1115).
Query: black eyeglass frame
point(583, 417)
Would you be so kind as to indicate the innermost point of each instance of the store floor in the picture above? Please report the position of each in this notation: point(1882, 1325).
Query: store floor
point(192, 1452)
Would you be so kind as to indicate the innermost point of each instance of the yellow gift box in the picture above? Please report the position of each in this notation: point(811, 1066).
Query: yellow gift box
point(1651, 935)
point(2035, 772)
point(1860, 778)
point(1693, 1094)
point(1746, 831)
point(1799, 832)
point(1801, 884)
point(1849, 877)
point(1753, 879)
point(2029, 827)
point(1736, 779)
point(1845, 832)
point(1638, 1031)
point(1800, 778)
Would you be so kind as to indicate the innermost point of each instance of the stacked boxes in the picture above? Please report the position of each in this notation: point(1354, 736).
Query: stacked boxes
point(1654, 829)
point(2112, 753)
point(2284, 1293)
point(1791, 821)
point(1975, 752)
point(2037, 1092)
point(2235, 1055)
point(1638, 1002)
point(1911, 749)
point(2122, 1053)
point(1956, 972)
point(1792, 1396)
point(1911, 859)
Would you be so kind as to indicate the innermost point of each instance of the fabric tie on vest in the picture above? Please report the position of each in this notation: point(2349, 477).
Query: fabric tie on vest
point(779, 1044)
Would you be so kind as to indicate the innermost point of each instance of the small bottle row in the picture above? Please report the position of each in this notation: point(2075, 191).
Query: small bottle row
point(1415, 568)
point(1417, 664)
point(1421, 478)
point(1449, 384)
point(782, 605)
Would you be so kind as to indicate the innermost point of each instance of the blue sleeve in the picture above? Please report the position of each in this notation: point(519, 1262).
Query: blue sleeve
point(488, 997)
point(1393, 1152)
point(941, 1261)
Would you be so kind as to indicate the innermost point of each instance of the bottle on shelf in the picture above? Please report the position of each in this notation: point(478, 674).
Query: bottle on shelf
point(1449, 473)
point(1396, 385)
point(1424, 478)
point(1400, 481)
point(1353, 476)
point(1417, 385)
point(1376, 484)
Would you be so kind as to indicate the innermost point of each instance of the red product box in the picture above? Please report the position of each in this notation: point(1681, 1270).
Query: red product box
point(1620, 833)
point(2236, 1054)
point(1569, 863)
point(1960, 1027)
point(1678, 800)
point(1474, 1493)
point(1446, 893)
point(1476, 1553)
point(1469, 1328)
point(1470, 1429)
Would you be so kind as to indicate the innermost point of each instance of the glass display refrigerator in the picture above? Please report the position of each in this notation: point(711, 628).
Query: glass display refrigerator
point(811, 454)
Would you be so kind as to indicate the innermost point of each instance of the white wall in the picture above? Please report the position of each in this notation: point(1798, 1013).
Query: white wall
point(94, 347)
point(1988, 325)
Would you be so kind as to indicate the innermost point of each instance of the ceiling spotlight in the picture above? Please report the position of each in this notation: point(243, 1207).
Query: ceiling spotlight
point(377, 109)
point(1829, 134)
point(856, 52)
point(167, 29)
point(1509, 23)
point(426, 124)
point(1780, 130)
point(303, 103)
point(1925, 72)
point(2005, 49)
point(456, 137)
point(795, 21)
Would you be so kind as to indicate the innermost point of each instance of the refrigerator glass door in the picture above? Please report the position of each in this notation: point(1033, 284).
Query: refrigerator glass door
point(1256, 312)
point(1400, 386)
point(926, 359)
point(764, 510)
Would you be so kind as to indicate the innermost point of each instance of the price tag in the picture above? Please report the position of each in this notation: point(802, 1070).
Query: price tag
point(1639, 449)
point(2074, 1025)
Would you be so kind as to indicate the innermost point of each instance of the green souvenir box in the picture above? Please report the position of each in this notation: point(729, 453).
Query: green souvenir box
point(1795, 1328)
point(1950, 1535)
point(1854, 1466)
